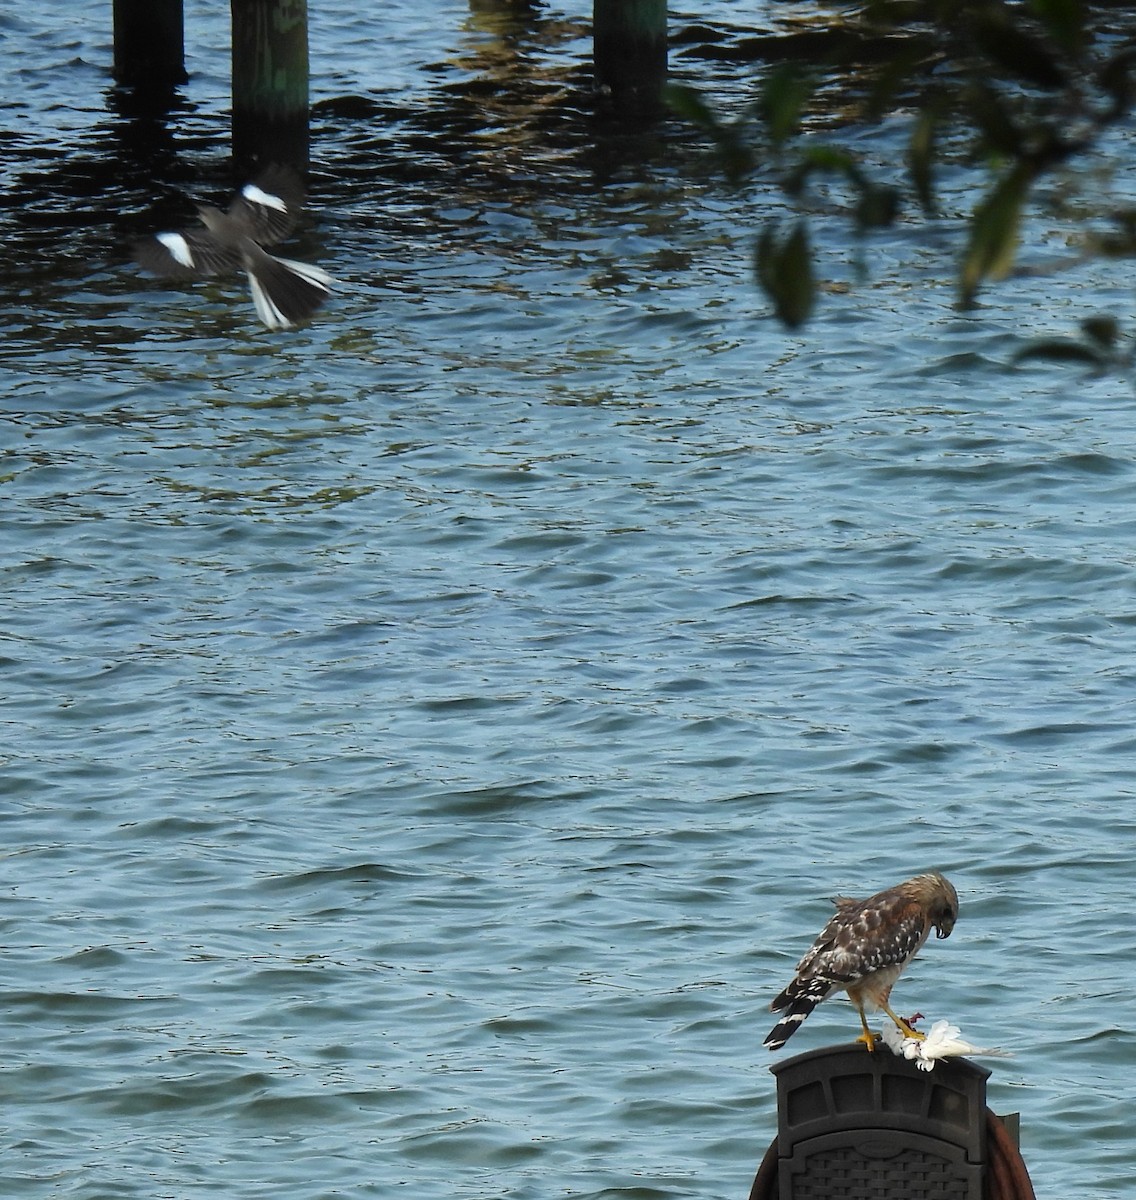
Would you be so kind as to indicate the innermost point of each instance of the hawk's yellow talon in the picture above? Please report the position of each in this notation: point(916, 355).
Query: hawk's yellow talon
point(867, 1037)
point(908, 1030)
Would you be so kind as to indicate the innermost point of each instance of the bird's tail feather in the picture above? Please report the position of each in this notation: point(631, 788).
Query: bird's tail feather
point(796, 1002)
point(285, 292)
point(798, 1010)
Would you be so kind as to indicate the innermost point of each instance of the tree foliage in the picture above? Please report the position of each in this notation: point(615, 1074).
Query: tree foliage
point(1017, 91)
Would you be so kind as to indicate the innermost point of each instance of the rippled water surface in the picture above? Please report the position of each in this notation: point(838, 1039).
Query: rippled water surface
point(431, 737)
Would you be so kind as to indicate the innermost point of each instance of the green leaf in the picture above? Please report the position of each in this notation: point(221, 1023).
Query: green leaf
point(1063, 350)
point(902, 72)
point(820, 157)
point(989, 112)
point(1102, 331)
point(784, 93)
point(920, 156)
point(877, 206)
point(994, 234)
point(1115, 77)
point(785, 272)
point(688, 102)
point(1064, 20)
point(1015, 50)
point(737, 158)
point(1118, 244)
point(824, 157)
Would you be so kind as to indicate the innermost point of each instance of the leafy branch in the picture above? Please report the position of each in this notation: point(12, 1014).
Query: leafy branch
point(1016, 90)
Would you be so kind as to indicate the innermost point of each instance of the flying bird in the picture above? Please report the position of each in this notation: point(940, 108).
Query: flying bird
point(863, 950)
point(261, 214)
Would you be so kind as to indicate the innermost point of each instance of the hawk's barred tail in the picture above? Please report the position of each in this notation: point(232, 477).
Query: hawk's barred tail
point(799, 1009)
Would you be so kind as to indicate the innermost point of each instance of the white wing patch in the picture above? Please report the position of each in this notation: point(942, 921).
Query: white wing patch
point(255, 195)
point(178, 248)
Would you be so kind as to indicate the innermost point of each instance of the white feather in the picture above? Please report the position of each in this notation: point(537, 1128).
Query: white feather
point(178, 248)
point(255, 195)
point(314, 275)
point(265, 309)
point(943, 1040)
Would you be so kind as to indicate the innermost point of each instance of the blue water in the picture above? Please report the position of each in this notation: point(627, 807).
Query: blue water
point(431, 737)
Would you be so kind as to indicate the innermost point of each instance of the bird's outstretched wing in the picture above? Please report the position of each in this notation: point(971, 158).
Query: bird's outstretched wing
point(262, 213)
point(186, 254)
point(267, 209)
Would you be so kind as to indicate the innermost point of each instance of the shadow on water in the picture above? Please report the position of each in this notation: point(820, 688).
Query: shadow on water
point(506, 118)
point(503, 121)
point(510, 112)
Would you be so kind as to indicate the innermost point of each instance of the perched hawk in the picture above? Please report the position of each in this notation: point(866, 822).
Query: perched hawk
point(863, 950)
point(285, 292)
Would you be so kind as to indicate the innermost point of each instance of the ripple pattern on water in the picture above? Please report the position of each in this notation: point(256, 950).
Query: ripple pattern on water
point(431, 738)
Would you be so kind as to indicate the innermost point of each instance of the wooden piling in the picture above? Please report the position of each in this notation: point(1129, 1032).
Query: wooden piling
point(270, 83)
point(149, 46)
point(630, 52)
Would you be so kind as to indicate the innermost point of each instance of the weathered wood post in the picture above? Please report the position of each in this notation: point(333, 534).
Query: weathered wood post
point(149, 47)
point(630, 52)
point(270, 83)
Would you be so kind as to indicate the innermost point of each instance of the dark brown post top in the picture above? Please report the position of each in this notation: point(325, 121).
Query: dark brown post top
point(860, 1125)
